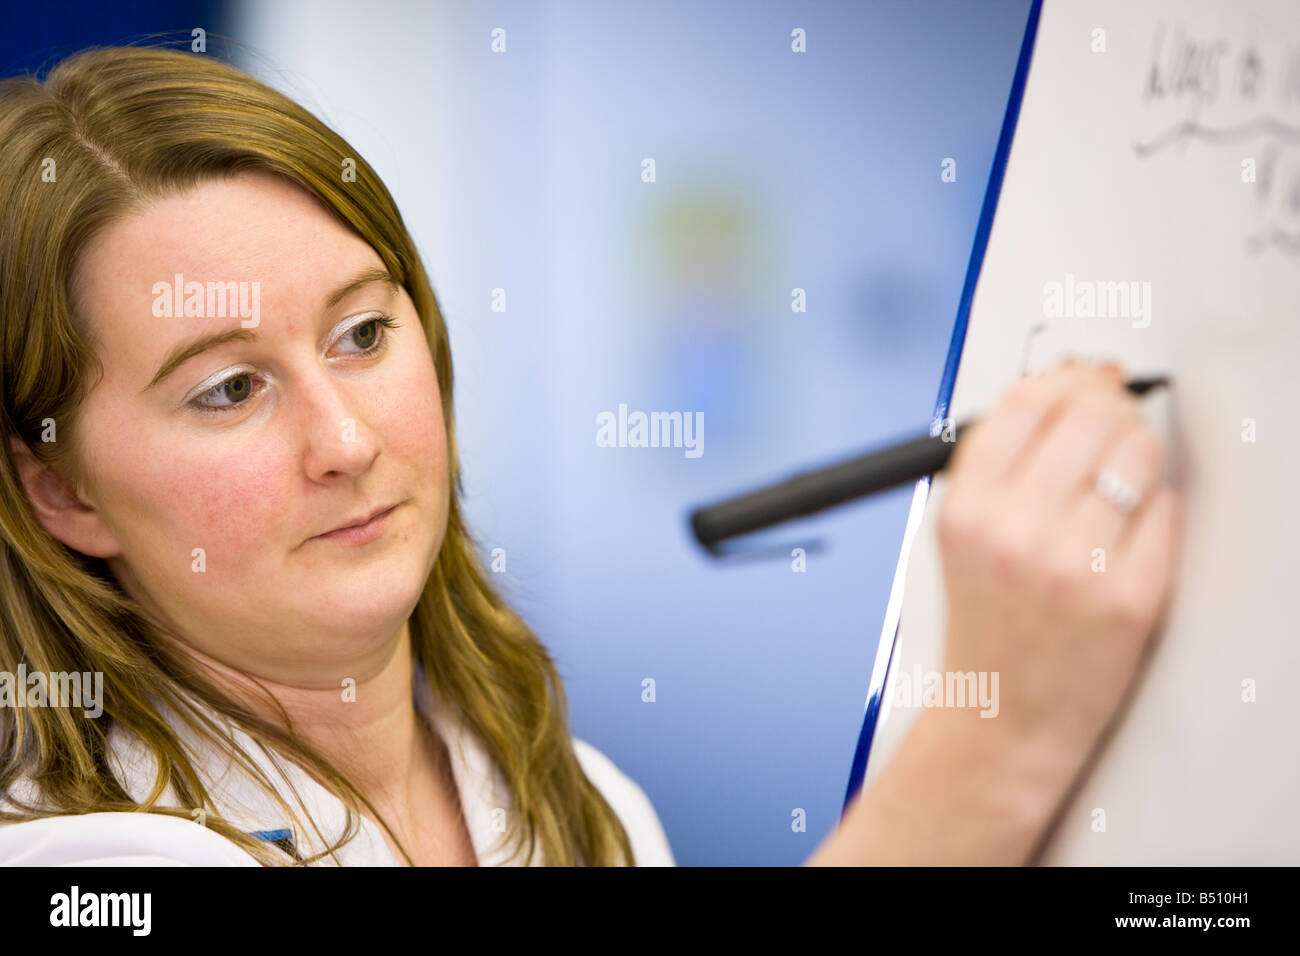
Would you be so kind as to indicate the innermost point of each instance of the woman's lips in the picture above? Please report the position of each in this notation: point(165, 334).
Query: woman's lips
point(361, 533)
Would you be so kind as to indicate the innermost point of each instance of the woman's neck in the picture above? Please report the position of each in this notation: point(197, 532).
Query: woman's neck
point(366, 724)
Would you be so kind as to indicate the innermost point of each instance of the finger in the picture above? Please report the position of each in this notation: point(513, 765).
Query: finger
point(992, 448)
point(1146, 553)
point(1070, 453)
point(1135, 459)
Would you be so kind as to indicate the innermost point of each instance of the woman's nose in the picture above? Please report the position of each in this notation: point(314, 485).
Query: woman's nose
point(337, 436)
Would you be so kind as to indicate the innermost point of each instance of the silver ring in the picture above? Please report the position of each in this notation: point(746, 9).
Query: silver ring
point(1117, 491)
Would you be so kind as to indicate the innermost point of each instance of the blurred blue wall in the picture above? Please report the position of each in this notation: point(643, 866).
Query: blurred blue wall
point(35, 36)
point(774, 170)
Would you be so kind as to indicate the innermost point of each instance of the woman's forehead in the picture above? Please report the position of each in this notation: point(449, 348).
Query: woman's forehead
point(251, 228)
point(244, 224)
point(215, 243)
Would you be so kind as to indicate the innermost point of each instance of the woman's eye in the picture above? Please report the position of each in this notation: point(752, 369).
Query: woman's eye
point(233, 389)
point(370, 335)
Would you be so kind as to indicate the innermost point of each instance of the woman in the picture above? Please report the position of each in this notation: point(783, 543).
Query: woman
point(231, 486)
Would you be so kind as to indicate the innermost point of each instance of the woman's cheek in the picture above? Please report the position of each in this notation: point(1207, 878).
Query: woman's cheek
point(426, 436)
point(431, 437)
point(231, 507)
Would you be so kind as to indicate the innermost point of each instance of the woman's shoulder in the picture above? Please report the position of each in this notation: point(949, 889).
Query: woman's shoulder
point(116, 839)
point(645, 832)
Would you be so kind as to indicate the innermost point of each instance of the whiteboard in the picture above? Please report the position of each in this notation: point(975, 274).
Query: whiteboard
point(1165, 166)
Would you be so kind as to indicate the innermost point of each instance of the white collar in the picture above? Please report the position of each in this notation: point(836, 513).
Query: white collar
point(479, 782)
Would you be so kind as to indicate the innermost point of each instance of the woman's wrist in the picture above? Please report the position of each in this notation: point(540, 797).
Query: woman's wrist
point(959, 791)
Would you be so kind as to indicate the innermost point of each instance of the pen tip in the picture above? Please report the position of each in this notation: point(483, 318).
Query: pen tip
point(1140, 386)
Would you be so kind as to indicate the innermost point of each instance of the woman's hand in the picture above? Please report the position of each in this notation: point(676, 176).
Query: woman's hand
point(1049, 582)
point(1052, 584)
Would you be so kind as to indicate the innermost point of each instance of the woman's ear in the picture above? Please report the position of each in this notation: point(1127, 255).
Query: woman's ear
point(59, 509)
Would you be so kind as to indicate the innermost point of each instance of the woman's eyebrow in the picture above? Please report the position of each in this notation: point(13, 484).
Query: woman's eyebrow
point(186, 351)
point(362, 278)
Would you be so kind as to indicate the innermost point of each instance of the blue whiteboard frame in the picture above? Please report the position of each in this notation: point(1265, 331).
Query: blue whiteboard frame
point(880, 669)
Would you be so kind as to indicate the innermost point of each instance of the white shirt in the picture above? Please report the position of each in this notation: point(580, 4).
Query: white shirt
point(146, 839)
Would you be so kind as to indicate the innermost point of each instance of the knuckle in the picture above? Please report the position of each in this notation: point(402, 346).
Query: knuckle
point(1087, 414)
point(1147, 448)
point(1102, 412)
point(1129, 606)
point(1025, 396)
point(1066, 572)
point(1101, 404)
point(1009, 552)
point(1126, 410)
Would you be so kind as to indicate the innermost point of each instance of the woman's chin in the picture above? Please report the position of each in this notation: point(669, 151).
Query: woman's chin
point(369, 601)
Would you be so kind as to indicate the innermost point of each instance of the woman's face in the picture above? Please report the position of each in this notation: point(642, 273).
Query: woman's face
point(207, 489)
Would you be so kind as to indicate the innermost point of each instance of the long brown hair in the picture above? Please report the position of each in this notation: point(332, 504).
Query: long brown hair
point(117, 126)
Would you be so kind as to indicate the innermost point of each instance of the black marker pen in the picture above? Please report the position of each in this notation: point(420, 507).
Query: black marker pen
point(817, 490)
